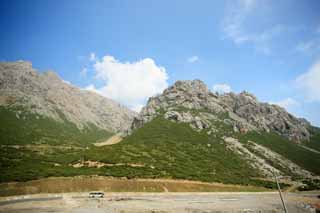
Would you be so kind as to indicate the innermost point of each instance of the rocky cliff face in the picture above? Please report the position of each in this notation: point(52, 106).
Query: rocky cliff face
point(192, 102)
point(46, 94)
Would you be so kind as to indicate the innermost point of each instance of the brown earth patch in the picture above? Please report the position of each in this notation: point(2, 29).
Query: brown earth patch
point(109, 184)
point(112, 140)
point(98, 164)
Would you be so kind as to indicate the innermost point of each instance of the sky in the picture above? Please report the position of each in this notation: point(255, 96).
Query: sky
point(129, 50)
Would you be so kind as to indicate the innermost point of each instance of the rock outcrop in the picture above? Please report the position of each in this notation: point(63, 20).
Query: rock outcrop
point(48, 95)
point(192, 102)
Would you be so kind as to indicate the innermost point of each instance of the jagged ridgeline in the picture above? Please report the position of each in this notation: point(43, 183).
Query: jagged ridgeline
point(187, 132)
point(266, 136)
point(41, 108)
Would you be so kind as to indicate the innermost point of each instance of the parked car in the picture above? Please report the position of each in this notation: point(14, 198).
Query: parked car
point(96, 195)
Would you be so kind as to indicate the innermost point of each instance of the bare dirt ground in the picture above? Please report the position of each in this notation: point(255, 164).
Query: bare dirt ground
point(98, 164)
point(108, 184)
point(70, 194)
point(112, 140)
point(161, 202)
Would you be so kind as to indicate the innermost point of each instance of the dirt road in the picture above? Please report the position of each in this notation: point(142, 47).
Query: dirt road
point(159, 202)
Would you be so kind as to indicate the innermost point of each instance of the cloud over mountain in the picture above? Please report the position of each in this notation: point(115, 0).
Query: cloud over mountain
point(130, 83)
point(309, 82)
point(221, 88)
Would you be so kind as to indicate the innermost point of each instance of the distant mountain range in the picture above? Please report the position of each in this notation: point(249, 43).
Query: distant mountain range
point(187, 132)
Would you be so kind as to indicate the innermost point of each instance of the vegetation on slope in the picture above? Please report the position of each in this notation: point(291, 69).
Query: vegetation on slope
point(177, 151)
point(314, 142)
point(306, 159)
point(27, 128)
point(160, 149)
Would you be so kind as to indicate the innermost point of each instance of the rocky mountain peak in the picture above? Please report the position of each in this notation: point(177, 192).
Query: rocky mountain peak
point(48, 95)
point(17, 68)
point(248, 95)
point(18, 64)
point(51, 76)
point(192, 102)
point(189, 86)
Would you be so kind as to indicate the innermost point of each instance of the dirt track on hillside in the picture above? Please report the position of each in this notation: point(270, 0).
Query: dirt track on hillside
point(112, 140)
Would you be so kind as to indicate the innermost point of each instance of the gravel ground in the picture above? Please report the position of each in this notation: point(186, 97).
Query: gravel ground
point(159, 202)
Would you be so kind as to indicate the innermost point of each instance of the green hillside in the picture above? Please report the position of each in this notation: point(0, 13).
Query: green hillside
point(177, 151)
point(314, 142)
point(159, 149)
point(27, 128)
point(306, 159)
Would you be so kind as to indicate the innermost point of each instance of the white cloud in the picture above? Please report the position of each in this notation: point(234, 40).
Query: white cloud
point(318, 29)
point(83, 72)
point(67, 82)
point(221, 88)
point(234, 20)
point(193, 59)
point(309, 47)
point(287, 103)
point(304, 46)
point(92, 88)
point(235, 27)
point(137, 108)
point(130, 83)
point(309, 82)
point(92, 57)
point(248, 4)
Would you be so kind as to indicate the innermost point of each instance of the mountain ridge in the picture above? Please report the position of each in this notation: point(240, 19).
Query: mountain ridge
point(242, 110)
point(46, 94)
point(265, 135)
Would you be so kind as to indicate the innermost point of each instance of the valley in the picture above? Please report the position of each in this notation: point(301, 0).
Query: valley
point(159, 106)
point(185, 133)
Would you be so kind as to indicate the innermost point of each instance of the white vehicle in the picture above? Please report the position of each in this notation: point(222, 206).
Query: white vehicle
point(96, 195)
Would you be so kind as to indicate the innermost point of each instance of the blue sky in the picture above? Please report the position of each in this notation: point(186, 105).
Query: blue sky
point(130, 50)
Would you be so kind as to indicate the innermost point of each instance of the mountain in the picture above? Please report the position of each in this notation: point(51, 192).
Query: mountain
point(35, 104)
point(266, 135)
point(187, 132)
point(243, 112)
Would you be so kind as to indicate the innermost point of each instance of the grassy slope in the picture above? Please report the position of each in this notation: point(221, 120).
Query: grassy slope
point(35, 129)
point(304, 158)
point(314, 142)
point(177, 151)
point(166, 149)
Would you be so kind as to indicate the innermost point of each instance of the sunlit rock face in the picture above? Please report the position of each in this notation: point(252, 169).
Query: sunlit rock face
point(48, 95)
point(243, 111)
